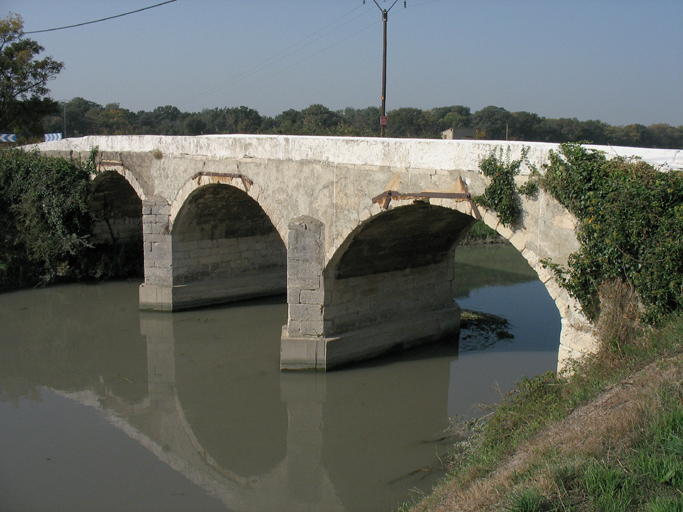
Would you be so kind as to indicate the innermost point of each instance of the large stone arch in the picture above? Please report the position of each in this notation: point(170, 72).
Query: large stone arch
point(400, 259)
point(389, 284)
point(356, 299)
point(545, 231)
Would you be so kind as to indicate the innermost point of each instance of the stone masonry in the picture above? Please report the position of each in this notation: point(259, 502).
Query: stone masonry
point(314, 194)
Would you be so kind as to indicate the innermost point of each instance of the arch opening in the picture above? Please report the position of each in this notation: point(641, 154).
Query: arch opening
point(388, 285)
point(116, 213)
point(397, 264)
point(223, 240)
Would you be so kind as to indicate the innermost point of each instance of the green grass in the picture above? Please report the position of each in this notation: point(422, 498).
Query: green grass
point(481, 233)
point(641, 471)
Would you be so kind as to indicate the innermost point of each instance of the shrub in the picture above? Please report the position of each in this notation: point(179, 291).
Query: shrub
point(630, 228)
point(502, 195)
point(44, 218)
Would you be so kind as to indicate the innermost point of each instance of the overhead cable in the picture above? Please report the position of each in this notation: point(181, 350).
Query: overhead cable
point(102, 19)
point(290, 50)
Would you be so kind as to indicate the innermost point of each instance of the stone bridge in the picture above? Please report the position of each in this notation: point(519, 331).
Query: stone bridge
point(359, 233)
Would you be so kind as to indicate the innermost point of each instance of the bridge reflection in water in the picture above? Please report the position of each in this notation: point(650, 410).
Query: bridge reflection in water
point(326, 437)
point(201, 390)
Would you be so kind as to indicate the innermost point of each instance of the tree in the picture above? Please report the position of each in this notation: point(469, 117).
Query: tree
point(405, 122)
point(491, 122)
point(289, 122)
point(243, 120)
point(318, 119)
point(524, 126)
point(23, 78)
point(78, 121)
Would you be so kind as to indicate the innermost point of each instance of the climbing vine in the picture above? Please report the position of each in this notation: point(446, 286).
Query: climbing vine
point(630, 228)
point(502, 195)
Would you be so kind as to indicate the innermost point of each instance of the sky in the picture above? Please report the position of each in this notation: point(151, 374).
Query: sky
point(618, 61)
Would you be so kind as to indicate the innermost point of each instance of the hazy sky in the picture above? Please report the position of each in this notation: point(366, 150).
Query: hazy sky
point(619, 61)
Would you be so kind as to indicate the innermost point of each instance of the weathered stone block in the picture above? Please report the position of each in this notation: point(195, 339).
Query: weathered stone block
point(312, 297)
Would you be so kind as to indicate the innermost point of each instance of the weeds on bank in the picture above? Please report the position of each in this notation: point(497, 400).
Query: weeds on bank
point(635, 464)
point(480, 233)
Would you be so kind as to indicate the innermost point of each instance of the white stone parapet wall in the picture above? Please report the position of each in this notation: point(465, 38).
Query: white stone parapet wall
point(415, 153)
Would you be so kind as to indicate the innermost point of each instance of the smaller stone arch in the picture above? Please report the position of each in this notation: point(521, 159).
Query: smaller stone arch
point(223, 246)
point(125, 173)
point(238, 181)
point(116, 209)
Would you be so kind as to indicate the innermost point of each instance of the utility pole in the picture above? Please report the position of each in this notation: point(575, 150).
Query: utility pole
point(385, 18)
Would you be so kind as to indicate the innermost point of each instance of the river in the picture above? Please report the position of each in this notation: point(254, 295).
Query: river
point(105, 408)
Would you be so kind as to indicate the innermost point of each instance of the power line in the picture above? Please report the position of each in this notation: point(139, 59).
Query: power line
point(102, 19)
point(269, 61)
point(268, 77)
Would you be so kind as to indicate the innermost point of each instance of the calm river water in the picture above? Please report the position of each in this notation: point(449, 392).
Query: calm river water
point(104, 408)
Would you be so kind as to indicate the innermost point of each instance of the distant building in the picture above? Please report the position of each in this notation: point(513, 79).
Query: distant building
point(459, 133)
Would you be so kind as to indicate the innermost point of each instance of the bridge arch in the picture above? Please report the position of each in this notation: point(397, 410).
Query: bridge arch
point(237, 181)
point(396, 261)
point(125, 173)
point(223, 246)
point(116, 210)
point(390, 282)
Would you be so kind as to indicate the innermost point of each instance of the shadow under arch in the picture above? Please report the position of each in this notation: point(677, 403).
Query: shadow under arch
point(396, 268)
point(116, 211)
point(239, 182)
point(406, 237)
point(389, 285)
point(225, 248)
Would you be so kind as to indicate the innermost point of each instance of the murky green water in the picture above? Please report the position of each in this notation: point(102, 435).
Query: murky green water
point(104, 408)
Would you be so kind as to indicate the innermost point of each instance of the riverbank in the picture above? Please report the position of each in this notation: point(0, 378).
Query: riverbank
point(610, 437)
point(480, 233)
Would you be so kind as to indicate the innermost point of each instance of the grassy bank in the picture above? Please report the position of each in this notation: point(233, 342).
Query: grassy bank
point(607, 438)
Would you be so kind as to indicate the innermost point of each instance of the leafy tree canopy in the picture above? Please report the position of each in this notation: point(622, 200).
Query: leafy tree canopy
point(23, 78)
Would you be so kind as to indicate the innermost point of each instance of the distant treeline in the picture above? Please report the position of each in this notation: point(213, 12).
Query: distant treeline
point(85, 117)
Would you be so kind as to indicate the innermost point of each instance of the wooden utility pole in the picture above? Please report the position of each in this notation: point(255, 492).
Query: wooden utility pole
point(385, 18)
